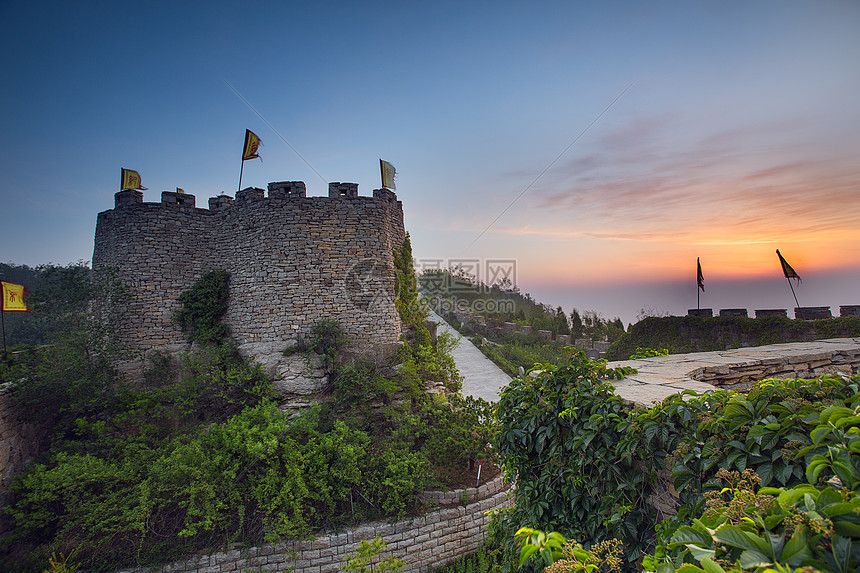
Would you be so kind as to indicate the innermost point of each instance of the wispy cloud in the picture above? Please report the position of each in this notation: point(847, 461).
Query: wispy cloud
point(726, 188)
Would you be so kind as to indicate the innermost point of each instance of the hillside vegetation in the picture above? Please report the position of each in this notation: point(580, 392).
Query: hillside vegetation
point(198, 455)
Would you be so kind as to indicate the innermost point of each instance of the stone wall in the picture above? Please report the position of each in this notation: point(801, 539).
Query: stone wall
point(292, 261)
point(423, 543)
point(811, 365)
point(19, 445)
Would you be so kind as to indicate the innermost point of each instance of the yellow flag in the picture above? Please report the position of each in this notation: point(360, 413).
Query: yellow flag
point(387, 174)
point(130, 180)
point(252, 142)
point(13, 297)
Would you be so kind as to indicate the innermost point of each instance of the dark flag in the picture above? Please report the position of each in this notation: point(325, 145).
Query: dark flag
point(789, 272)
point(700, 279)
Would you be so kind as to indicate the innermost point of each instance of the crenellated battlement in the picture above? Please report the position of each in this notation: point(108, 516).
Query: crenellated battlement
point(292, 259)
point(278, 191)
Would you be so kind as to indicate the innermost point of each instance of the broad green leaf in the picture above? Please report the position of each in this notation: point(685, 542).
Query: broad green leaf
point(752, 558)
point(837, 509)
point(819, 433)
point(526, 552)
point(736, 537)
point(833, 413)
point(690, 568)
point(711, 567)
point(687, 534)
point(700, 553)
point(795, 549)
point(814, 468)
point(828, 497)
point(841, 551)
point(846, 528)
point(848, 421)
point(789, 497)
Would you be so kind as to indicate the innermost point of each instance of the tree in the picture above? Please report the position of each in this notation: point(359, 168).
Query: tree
point(577, 329)
point(561, 324)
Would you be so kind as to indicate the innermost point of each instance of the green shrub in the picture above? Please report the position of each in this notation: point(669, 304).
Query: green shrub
point(484, 561)
point(327, 340)
point(203, 306)
point(585, 462)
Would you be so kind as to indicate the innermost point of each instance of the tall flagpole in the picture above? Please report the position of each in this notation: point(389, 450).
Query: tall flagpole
point(792, 292)
point(240, 175)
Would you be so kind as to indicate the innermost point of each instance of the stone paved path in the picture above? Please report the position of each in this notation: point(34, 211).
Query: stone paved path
point(663, 376)
point(481, 377)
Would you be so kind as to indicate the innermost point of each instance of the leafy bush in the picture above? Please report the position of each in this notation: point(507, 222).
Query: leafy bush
point(484, 561)
point(585, 462)
point(327, 340)
point(814, 524)
point(364, 559)
point(648, 353)
point(512, 352)
point(203, 306)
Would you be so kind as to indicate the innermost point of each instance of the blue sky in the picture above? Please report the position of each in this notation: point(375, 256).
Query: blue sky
point(739, 133)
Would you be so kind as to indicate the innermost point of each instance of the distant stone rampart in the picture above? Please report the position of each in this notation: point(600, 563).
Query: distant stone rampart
point(292, 259)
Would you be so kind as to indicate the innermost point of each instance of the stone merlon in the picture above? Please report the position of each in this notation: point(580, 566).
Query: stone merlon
point(292, 259)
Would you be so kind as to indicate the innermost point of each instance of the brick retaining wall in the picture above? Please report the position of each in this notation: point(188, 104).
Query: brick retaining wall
point(423, 543)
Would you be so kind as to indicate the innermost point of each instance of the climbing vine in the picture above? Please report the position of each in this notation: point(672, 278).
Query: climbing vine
point(586, 462)
point(203, 306)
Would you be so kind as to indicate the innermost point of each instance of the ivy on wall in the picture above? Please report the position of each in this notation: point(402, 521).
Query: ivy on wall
point(203, 306)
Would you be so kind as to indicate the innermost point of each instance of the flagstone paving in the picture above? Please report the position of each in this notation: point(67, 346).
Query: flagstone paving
point(481, 377)
point(662, 376)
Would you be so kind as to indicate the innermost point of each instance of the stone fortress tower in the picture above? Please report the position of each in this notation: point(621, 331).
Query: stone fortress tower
point(292, 259)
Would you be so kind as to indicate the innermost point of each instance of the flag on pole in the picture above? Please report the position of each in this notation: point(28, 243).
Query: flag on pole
point(130, 180)
point(700, 279)
point(252, 143)
point(388, 174)
point(13, 297)
point(180, 190)
point(789, 272)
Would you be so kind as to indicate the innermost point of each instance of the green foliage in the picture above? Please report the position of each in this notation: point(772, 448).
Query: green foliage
point(203, 306)
point(406, 284)
point(431, 363)
point(74, 376)
point(512, 352)
point(196, 456)
point(559, 555)
point(484, 561)
point(461, 433)
point(558, 438)
point(809, 525)
point(547, 546)
point(364, 559)
point(585, 462)
point(648, 353)
point(683, 334)
point(327, 341)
